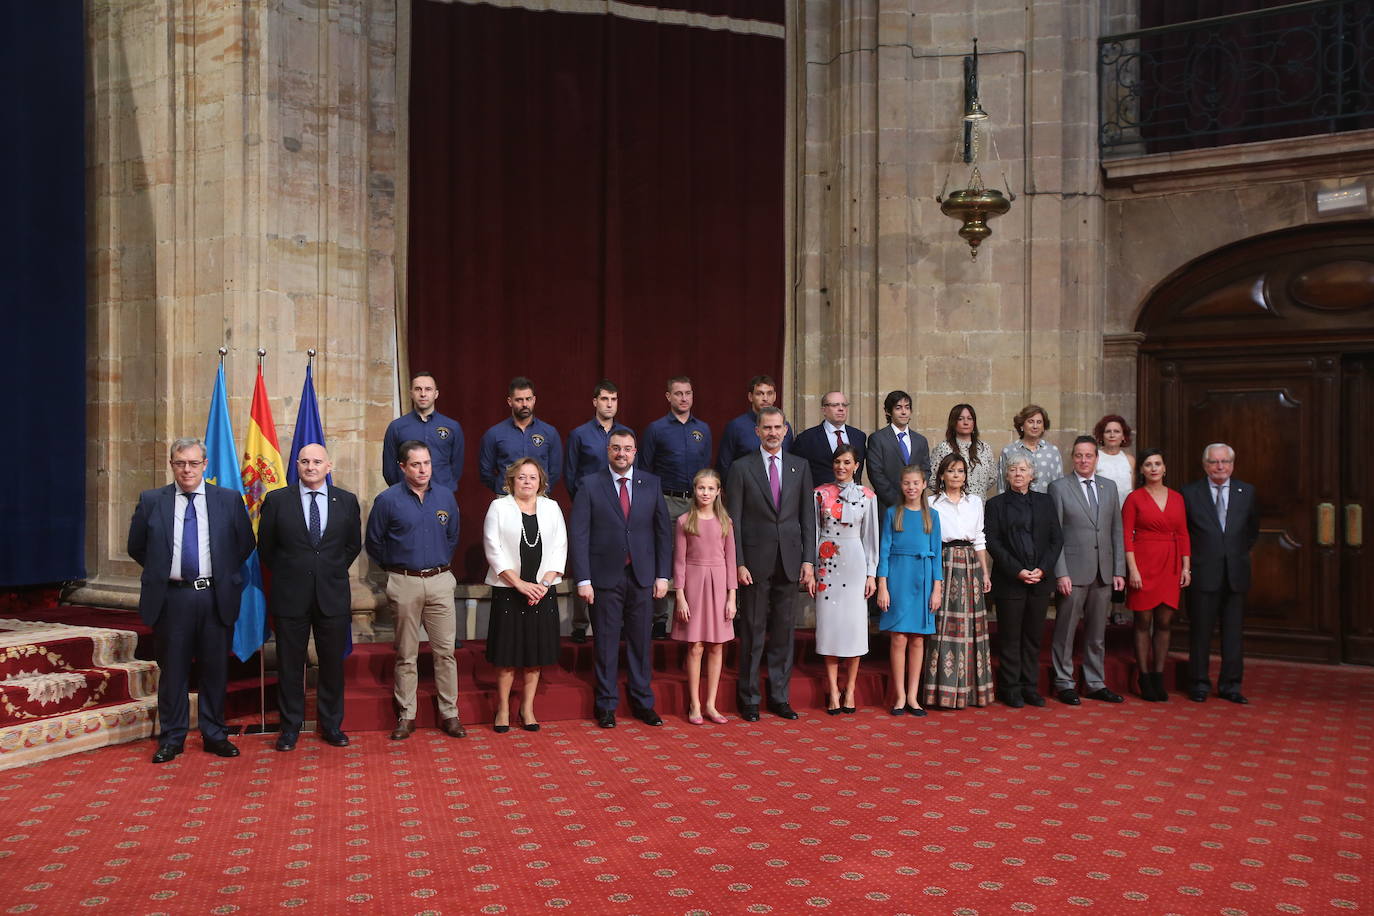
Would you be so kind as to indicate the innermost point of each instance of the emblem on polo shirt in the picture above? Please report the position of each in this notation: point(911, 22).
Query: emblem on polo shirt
point(443, 432)
point(442, 516)
point(538, 440)
point(696, 435)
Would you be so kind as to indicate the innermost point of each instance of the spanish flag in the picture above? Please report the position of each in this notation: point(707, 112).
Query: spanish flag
point(261, 472)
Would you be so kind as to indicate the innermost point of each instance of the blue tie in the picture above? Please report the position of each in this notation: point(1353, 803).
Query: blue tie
point(906, 452)
point(314, 519)
point(190, 542)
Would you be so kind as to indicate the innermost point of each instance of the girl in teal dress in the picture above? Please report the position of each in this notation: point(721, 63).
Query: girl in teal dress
point(909, 585)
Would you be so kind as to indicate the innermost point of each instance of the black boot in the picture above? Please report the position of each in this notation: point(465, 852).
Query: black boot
point(1147, 688)
point(1161, 693)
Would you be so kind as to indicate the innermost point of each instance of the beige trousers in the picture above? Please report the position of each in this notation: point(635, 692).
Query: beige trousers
point(428, 602)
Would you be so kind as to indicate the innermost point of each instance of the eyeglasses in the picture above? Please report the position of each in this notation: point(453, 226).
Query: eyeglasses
point(185, 465)
point(1220, 461)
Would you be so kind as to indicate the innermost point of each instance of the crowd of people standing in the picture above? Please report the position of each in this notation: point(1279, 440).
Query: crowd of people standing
point(662, 542)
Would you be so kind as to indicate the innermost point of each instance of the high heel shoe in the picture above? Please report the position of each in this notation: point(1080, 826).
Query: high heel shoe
point(500, 729)
point(833, 710)
point(849, 710)
point(528, 726)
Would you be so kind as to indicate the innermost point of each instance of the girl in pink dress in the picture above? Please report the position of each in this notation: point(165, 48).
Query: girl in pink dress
point(704, 571)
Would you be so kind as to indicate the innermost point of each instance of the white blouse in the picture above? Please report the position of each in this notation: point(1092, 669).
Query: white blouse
point(1117, 469)
point(961, 521)
point(503, 528)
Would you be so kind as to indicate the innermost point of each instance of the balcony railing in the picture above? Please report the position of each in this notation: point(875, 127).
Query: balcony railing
point(1289, 71)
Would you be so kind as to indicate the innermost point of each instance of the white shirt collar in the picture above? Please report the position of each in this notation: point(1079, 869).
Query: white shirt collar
point(767, 454)
point(831, 429)
point(899, 432)
point(324, 487)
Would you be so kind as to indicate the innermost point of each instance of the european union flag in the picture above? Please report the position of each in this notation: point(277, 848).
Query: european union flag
point(309, 429)
point(222, 470)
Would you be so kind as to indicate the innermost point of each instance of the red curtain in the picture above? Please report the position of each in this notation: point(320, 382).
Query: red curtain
point(591, 196)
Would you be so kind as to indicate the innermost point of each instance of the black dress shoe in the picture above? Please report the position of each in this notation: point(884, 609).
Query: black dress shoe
point(1106, 695)
point(334, 737)
point(783, 710)
point(1198, 696)
point(1013, 700)
point(660, 630)
point(286, 741)
point(604, 717)
point(1032, 697)
point(1234, 696)
point(749, 712)
point(915, 711)
point(1068, 696)
point(647, 716)
point(220, 747)
point(579, 634)
point(166, 752)
point(897, 711)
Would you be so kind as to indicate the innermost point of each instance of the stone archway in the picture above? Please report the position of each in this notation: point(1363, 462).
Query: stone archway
point(1268, 344)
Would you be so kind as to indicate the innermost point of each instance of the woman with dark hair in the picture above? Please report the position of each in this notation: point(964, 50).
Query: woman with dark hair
point(1031, 424)
point(1154, 527)
point(961, 438)
point(1024, 539)
point(1116, 464)
point(847, 561)
point(958, 666)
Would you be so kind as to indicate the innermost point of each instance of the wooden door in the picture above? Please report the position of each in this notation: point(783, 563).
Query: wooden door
point(1273, 411)
point(1356, 441)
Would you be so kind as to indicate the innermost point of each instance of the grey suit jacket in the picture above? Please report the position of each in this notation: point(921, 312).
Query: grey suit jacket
point(763, 531)
point(1092, 541)
point(884, 462)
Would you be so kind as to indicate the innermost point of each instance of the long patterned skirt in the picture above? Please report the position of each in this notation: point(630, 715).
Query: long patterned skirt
point(958, 664)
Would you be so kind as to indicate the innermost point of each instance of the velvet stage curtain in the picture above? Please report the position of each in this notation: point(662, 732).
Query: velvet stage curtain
point(592, 196)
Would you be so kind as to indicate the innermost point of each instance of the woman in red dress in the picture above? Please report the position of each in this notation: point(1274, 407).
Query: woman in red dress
point(1155, 527)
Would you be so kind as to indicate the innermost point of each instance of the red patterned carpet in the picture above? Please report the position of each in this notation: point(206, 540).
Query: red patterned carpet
point(1141, 808)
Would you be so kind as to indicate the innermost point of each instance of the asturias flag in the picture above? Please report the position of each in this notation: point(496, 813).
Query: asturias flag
point(309, 429)
point(260, 473)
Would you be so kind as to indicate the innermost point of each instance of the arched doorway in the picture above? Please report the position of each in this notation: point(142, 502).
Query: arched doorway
point(1268, 344)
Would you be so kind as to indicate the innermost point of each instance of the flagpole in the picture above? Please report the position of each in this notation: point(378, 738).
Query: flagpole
point(262, 649)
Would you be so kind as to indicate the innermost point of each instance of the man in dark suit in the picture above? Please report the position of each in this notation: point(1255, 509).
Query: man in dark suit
point(1223, 524)
point(894, 447)
point(308, 536)
point(192, 539)
point(817, 444)
point(771, 503)
point(1092, 563)
point(622, 556)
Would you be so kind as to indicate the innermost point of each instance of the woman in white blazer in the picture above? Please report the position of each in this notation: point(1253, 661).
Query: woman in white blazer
point(526, 545)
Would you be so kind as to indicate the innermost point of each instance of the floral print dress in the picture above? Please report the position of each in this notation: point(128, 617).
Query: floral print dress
point(847, 552)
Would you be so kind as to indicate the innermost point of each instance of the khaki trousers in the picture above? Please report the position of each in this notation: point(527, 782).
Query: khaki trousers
point(429, 602)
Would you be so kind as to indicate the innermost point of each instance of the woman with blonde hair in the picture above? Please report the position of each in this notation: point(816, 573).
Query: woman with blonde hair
point(705, 573)
point(526, 546)
point(910, 583)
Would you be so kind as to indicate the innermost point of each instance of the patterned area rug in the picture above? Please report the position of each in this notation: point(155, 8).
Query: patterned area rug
point(70, 688)
point(1149, 808)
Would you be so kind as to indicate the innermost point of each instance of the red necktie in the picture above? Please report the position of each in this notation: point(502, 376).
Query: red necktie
point(624, 497)
point(839, 440)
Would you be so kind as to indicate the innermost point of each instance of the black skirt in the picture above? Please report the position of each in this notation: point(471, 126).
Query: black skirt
point(521, 636)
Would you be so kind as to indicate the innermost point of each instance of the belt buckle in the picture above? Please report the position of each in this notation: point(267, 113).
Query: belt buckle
point(200, 584)
point(426, 573)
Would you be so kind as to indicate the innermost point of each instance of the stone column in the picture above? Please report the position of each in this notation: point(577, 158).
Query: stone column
point(242, 166)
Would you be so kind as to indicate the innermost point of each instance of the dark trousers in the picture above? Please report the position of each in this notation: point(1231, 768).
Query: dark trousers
point(766, 614)
point(1204, 609)
point(1020, 625)
point(188, 628)
point(629, 606)
point(293, 641)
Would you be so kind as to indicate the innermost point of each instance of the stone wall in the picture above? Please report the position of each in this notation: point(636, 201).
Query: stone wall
point(241, 171)
point(887, 295)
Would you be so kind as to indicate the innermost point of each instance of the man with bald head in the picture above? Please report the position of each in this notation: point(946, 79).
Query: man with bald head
point(308, 536)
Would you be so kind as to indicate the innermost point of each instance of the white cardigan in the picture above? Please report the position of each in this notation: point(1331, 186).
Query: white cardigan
point(503, 528)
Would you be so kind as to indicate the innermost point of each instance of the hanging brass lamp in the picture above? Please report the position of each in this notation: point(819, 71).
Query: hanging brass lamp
point(975, 204)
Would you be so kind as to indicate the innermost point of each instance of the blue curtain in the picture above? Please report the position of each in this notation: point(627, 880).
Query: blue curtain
point(42, 296)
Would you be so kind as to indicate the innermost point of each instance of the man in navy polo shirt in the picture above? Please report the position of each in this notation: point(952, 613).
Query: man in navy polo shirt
point(412, 533)
point(587, 445)
point(674, 448)
point(441, 435)
point(522, 435)
point(741, 437)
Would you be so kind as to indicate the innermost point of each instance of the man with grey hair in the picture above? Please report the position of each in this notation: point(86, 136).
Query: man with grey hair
point(1223, 524)
point(191, 538)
